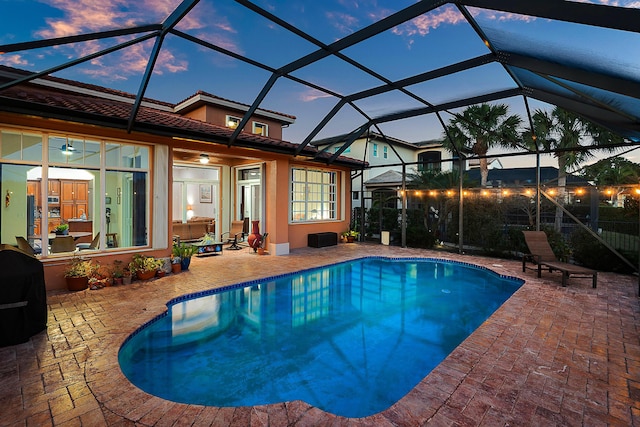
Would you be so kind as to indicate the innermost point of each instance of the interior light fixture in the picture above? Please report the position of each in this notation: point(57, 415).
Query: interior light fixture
point(67, 149)
point(204, 159)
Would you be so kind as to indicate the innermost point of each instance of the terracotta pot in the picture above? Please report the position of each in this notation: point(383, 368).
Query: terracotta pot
point(261, 251)
point(77, 283)
point(145, 275)
point(254, 238)
point(161, 273)
point(176, 268)
point(350, 239)
point(117, 281)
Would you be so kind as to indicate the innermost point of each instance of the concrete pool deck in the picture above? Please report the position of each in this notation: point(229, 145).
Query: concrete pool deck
point(548, 356)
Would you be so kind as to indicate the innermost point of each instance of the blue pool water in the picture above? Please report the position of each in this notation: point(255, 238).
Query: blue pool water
point(351, 339)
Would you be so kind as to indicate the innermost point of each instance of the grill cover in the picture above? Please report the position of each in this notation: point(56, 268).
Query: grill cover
point(23, 296)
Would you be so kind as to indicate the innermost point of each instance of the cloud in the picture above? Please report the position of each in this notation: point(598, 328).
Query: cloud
point(421, 25)
point(343, 22)
point(86, 16)
point(13, 60)
point(312, 94)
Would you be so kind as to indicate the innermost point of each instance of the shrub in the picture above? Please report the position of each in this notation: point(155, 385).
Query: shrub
point(589, 252)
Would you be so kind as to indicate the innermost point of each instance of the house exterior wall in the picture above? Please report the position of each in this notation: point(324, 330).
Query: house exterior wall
point(217, 116)
point(283, 235)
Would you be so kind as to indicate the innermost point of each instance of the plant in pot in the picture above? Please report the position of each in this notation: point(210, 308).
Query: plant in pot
point(262, 246)
point(117, 272)
point(350, 236)
point(144, 267)
point(61, 229)
point(175, 264)
point(78, 272)
point(185, 252)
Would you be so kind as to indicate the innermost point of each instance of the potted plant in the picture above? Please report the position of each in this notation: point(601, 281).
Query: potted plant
point(261, 249)
point(184, 251)
point(78, 272)
point(62, 229)
point(176, 267)
point(350, 235)
point(144, 267)
point(117, 272)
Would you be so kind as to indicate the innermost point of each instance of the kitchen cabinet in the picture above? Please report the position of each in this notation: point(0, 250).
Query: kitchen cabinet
point(53, 223)
point(54, 187)
point(74, 201)
point(33, 189)
point(82, 225)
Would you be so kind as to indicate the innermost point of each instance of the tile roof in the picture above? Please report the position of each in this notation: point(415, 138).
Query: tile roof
point(83, 103)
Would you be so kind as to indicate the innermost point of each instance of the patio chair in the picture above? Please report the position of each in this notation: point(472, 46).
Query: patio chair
point(89, 246)
point(239, 229)
point(63, 244)
point(542, 255)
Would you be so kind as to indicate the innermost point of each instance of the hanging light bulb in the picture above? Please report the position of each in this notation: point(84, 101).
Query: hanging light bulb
point(204, 159)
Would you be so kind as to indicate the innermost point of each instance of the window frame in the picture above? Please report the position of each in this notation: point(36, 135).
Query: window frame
point(260, 125)
point(232, 119)
point(328, 187)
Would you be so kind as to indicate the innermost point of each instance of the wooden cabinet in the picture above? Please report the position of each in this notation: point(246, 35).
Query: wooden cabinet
point(33, 189)
point(74, 199)
point(54, 187)
point(53, 223)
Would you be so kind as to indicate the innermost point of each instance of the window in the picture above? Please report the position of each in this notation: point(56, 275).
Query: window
point(355, 195)
point(313, 195)
point(347, 150)
point(233, 122)
point(375, 150)
point(430, 160)
point(62, 179)
point(384, 151)
point(260, 129)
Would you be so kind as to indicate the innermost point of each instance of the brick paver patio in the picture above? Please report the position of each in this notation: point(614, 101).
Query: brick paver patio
point(549, 356)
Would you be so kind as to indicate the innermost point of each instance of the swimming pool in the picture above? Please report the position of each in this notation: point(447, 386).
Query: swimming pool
point(351, 338)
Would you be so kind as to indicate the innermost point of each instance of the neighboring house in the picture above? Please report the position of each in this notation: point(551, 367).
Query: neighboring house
point(71, 153)
point(383, 155)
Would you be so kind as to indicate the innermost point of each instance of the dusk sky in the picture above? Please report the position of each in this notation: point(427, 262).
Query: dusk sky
point(430, 41)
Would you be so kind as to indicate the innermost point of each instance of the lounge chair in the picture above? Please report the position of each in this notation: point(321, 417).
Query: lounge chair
point(542, 255)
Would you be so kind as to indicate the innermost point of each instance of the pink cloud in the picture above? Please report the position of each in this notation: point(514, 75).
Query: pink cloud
point(13, 60)
point(84, 16)
point(343, 22)
point(421, 25)
point(312, 94)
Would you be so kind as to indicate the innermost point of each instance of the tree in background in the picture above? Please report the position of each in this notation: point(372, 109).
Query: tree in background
point(567, 133)
point(479, 128)
point(616, 173)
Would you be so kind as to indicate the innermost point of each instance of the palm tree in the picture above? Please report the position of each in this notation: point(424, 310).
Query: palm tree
point(479, 128)
point(564, 131)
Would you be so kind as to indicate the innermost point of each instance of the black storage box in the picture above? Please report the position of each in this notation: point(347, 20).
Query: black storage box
point(320, 240)
point(23, 296)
